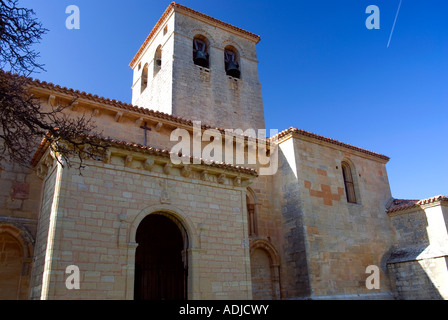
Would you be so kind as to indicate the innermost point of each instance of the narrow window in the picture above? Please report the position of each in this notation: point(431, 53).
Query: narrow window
point(158, 60)
point(144, 79)
point(348, 182)
point(231, 62)
point(200, 51)
point(251, 216)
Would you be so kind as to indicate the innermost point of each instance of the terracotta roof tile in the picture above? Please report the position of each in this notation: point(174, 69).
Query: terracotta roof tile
point(116, 103)
point(401, 204)
point(131, 146)
point(329, 140)
point(161, 115)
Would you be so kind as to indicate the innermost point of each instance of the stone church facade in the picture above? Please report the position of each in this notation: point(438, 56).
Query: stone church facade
point(139, 225)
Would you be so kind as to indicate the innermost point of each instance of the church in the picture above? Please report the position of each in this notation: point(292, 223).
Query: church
point(193, 200)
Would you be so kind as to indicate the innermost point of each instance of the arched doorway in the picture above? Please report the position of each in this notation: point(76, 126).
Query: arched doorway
point(264, 262)
point(10, 267)
point(262, 287)
point(160, 259)
point(16, 251)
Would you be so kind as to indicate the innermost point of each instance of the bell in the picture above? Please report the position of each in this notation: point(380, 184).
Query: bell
point(201, 59)
point(233, 69)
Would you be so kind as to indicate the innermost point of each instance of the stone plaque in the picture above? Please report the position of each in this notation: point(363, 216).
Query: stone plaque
point(20, 190)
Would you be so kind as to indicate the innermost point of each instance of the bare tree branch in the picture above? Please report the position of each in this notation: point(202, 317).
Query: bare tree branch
point(19, 31)
point(24, 122)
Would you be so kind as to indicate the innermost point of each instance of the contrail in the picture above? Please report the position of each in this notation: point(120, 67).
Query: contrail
point(393, 26)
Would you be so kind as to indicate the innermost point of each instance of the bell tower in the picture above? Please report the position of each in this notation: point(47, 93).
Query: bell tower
point(199, 68)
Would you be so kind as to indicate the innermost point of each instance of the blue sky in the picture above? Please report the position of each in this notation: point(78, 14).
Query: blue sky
point(320, 68)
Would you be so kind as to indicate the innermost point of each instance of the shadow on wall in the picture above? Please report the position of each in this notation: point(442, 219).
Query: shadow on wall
point(295, 269)
point(410, 277)
point(418, 268)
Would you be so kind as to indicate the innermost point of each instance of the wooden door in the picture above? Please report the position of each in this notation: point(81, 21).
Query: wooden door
point(160, 272)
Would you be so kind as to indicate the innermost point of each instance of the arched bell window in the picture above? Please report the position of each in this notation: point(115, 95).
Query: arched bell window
point(158, 60)
point(231, 62)
point(200, 51)
point(144, 79)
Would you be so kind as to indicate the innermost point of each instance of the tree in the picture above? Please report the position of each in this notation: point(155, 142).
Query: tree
point(23, 121)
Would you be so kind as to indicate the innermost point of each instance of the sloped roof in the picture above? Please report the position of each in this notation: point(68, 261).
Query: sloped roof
point(329, 140)
point(402, 204)
point(164, 116)
point(114, 103)
point(131, 146)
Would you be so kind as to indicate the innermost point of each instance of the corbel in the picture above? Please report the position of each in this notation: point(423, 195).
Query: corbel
point(118, 116)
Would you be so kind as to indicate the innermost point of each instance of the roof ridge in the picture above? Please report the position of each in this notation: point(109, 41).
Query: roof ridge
point(118, 103)
point(158, 151)
point(329, 140)
point(408, 204)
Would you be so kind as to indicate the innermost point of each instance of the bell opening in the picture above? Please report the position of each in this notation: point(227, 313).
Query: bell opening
point(201, 59)
point(200, 54)
point(231, 64)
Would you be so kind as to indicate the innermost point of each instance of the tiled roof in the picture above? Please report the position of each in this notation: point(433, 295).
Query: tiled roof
point(147, 150)
point(329, 140)
point(166, 153)
point(173, 6)
point(164, 116)
point(401, 204)
point(115, 103)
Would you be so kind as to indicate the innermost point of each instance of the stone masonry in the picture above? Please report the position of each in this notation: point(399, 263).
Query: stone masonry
point(307, 229)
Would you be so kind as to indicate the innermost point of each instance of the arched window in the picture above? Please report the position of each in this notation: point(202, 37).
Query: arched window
point(251, 213)
point(200, 51)
point(158, 60)
point(231, 62)
point(348, 182)
point(144, 79)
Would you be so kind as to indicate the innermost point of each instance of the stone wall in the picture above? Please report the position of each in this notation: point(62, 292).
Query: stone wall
point(329, 242)
point(184, 89)
point(418, 264)
point(41, 250)
point(420, 279)
point(208, 94)
point(158, 93)
point(20, 192)
point(97, 214)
